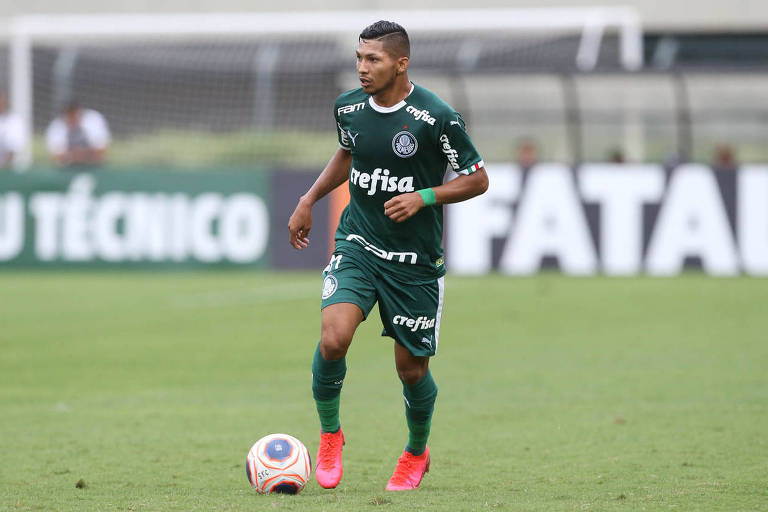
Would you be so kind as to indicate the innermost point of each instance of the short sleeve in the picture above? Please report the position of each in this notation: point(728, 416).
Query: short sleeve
point(340, 131)
point(457, 146)
point(15, 139)
point(96, 129)
point(56, 137)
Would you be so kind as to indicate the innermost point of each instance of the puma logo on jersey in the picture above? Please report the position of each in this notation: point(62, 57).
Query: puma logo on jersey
point(353, 137)
point(380, 180)
point(346, 109)
point(381, 253)
point(451, 154)
point(422, 115)
point(421, 322)
point(455, 122)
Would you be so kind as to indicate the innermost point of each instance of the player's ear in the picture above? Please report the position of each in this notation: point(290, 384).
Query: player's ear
point(402, 65)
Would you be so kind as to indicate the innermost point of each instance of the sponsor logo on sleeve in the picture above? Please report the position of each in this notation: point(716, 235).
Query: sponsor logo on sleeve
point(451, 154)
point(343, 134)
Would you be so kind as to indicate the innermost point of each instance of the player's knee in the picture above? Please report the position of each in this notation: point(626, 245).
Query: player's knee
point(412, 375)
point(334, 343)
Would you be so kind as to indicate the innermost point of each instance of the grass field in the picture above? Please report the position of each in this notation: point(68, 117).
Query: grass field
point(555, 394)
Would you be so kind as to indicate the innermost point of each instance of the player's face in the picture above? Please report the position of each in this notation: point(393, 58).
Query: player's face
point(72, 117)
point(376, 68)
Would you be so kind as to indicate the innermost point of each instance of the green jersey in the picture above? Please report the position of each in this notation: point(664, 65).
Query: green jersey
point(398, 149)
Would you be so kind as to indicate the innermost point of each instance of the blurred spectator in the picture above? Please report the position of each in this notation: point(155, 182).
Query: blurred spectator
point(78, 137)
point(12, 139)
point(526, 153)
point(616, 156)
point(724, 159)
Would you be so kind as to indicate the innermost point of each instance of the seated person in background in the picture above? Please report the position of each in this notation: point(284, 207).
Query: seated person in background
point(616, 156)
point(12, 139)
point(526, 153)
point(79, 136)
point(724, 159)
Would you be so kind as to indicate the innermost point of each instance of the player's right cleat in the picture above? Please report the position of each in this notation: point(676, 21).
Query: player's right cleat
point(329, 468)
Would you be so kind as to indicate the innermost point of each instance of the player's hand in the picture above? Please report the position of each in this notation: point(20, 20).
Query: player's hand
point(299, 225)
point(404, 206)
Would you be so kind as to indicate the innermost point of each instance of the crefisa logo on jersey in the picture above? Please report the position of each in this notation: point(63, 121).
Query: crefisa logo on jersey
point(421, 114)
point(414, 325)
point(451, 154)
point(404, 144)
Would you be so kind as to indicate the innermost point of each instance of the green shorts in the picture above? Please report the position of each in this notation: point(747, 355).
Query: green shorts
point(410, 313)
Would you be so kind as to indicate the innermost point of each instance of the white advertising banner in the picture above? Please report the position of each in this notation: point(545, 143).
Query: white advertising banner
point(614, 219)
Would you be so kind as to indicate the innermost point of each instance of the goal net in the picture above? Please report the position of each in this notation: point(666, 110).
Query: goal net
point(249, 90)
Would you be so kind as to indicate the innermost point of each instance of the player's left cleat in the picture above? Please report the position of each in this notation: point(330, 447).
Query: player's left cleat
point(409, 471)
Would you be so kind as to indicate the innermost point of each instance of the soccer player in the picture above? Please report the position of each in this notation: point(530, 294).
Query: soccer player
point(397, 141)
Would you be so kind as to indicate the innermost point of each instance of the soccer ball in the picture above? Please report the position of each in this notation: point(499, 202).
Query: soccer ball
point(278, 463)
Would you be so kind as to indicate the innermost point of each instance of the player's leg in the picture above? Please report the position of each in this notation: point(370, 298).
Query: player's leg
point(329, 367)
point(348, 296)
point(338, 324)
point(420, 392)
point(411, 315)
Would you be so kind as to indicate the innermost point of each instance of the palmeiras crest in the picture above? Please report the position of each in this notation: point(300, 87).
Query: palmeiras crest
point(405, 144)
point(330, 284)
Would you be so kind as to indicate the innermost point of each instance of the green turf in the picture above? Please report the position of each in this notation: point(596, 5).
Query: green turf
point(204, 150)
point(555, 394)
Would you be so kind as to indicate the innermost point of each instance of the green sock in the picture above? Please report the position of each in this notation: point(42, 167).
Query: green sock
point(328, 412)
point(419, 405)
point(327, 379)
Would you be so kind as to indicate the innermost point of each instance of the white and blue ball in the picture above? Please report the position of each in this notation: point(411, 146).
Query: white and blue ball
point(278, 463)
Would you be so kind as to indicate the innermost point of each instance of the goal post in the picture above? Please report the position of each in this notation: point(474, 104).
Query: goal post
point(589, 25)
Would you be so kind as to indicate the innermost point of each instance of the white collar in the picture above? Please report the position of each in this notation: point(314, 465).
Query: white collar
point(388, 110)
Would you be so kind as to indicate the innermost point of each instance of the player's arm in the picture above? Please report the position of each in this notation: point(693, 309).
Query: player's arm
point(334, 174)
point(86, 156)
point(464, 187)
point(6, 160)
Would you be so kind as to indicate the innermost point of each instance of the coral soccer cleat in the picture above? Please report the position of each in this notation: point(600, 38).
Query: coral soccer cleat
point(329, 468)
point(409, 471)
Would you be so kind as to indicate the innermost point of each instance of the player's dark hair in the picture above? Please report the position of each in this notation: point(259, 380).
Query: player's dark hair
point(392, 35)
